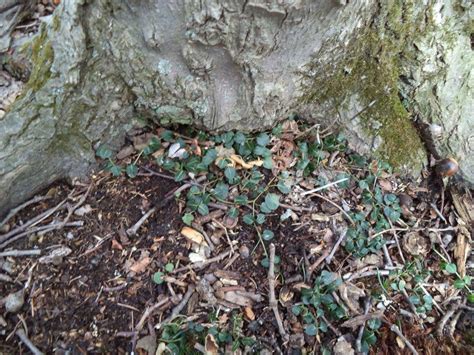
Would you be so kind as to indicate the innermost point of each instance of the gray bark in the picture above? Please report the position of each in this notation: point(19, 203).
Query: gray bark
point(98, 65)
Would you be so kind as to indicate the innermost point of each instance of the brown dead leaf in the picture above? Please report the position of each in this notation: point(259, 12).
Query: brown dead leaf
point(116, 245)
point(210, 345)
point(237, 159)
point(193, 235)
point(415, 244)
point(140, 266)
point(462, 249)
point(343, 347)
point(248, 313)
point(385, 185)
point(351, 294)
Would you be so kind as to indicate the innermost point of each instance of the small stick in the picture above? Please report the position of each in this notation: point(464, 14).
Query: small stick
point(134, 229)
point(33, 221)
point(452, 324)
point(444, 320)
point(362, 327)
point(336, 246)
point(333, 329)
point(349, 277)
point(272, 300)
point(148, 312)
point(179, 307)
point(116, 288)
point(438, 212)
point(324, 187)
point(397, 331)
point(204, 263)
point(21, 252)
point(387, 255)
point(296, 208)
point(14, 211)
point(24, 339)
point(335, 205)
point(315, 265)
point(152, 172)
point(44, 229)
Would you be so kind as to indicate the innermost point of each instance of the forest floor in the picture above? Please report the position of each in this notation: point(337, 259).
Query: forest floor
point(284, 242)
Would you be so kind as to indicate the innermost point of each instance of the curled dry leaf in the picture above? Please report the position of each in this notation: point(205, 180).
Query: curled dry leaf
point(81, 211)
point(116, 245)
point(175, 151)
point(385, 185)
point(142, 263)
point(343, 347)
point(210, 345)
point(415, 244)
point(351, 295)
point(196, 258)
point(193, 235)
point(285, 296)
point(148, 344)
point(237, 159)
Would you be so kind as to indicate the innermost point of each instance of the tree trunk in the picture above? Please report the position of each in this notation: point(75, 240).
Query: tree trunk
point(382, 70)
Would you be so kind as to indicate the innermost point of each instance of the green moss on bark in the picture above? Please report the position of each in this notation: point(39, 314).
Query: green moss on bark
point(369, 71)
point(42, 57)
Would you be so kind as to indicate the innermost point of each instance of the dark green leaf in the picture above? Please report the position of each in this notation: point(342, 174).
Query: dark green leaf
point(180, 175)
point(272, 201)
point(230, 173)
point(158, 277)
point(209, 157)
point(115, 170)
point(103, 152)
point(248, 219)
point(470, 298)
point(221, 190)
point(267, 235)
point(260, 218)
point(233, 212)
point(285, 189)
point(188, 218)
point(203, 209)
point(459, 284)
point(132, 170)
point(311, 330)
point(169, 267)
point(263, 139)
point(451, 268)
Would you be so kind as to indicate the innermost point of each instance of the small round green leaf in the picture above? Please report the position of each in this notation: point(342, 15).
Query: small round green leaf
point(267, 235)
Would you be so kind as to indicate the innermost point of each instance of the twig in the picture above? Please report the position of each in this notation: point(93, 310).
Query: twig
point(179, 307)
point(152, 172)
point(335, 205)
point(358, 275)
point(387, 255)
point(14, 211)
point(116, 288)
point(134, 229)
point(362, 327)
point(438, 212)
point(44, 229)
point(272, 300)
point(204, 263)
point(33, 221)
point(323, 256)
point(309, 192)
point(24, 339)
point(21, 252)
point(77, 205)
point(397, 331)
point(336, 246)
point(148, 312)
point(444, 320)
point(332, 327)
point(296, 208)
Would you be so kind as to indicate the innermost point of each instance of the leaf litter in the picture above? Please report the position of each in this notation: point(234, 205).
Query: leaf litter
point(281, 241)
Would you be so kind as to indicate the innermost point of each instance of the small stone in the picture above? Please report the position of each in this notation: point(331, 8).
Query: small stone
point(14, 301)
point(5, 228)
point(244, 251)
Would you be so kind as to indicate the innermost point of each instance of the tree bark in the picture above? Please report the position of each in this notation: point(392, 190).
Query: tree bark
point(374, 67)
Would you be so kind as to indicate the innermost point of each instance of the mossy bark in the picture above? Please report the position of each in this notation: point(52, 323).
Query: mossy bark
point(99, 65)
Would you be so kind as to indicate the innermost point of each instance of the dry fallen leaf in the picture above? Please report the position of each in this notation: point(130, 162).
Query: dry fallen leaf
point(141, 265)
point(248, 313)
point(385, 185)
point(116, 245)
point(193, 235)
point(415, 244)
point(238, 160)
point(210, 345)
